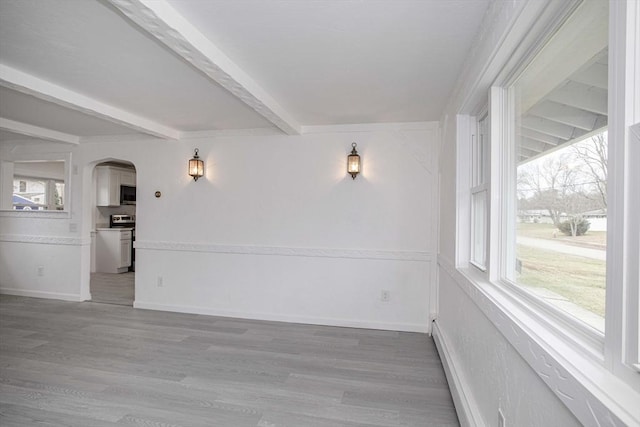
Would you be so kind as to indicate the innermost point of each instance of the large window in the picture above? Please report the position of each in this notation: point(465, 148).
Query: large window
point(557, 232)
point(562, 202)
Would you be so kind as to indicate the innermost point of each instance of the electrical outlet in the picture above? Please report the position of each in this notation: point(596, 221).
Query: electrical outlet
point(40, 270)
point(385, 295)
point(160, 282)
point(501, 422)
point(73, 227)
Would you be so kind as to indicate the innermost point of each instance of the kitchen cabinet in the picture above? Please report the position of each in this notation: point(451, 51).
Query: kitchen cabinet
point(125, 252)
point(128, 178)
point(113, 250)
point(108, 182)
point(107, 186)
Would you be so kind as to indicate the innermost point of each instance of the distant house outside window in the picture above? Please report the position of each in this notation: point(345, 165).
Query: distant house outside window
point(31, 193)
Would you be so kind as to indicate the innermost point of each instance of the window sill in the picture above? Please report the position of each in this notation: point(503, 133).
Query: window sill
point(35, 214)
point(572, 330)
point(479, 266)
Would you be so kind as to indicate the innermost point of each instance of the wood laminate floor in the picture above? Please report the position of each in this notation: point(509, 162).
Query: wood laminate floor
point(111, 288)
point(89, 364)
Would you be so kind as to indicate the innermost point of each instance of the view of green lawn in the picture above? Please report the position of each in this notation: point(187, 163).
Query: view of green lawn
point(580, 280)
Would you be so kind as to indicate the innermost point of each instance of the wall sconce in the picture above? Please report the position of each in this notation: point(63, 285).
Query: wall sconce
point(196, 166)
point(353, 162)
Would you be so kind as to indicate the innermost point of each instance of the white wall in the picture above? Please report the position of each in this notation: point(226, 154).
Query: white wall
point(41, 251)
point(494, 374)
point(277, 229)
point(41, 268)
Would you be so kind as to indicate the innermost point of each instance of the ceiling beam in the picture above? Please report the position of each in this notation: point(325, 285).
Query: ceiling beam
point(532, 145)
point(539, 136)
point(596, 75)
point(565, 114)
point(581, 96)
point(526, 152)
point(17, 80)
point(163, 23)
point(37, 131)
point(549, 127)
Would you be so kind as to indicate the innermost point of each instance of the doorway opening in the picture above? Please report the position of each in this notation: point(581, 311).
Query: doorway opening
point(113, 233)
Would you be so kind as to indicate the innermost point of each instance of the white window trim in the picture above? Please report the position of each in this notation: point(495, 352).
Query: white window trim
point(633, 245)
point(623, 254)
point(477, 190)
point(464, 131)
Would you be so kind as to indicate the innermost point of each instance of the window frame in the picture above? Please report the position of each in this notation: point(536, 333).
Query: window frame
point(503, 228)
point(617, 350)
point(479, 184)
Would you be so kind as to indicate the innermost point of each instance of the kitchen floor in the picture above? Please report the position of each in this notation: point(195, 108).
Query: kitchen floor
point(111, 288)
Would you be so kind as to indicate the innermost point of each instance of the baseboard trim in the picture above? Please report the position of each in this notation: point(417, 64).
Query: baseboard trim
point(467, 411)
point(41, 294)
point(322, 321)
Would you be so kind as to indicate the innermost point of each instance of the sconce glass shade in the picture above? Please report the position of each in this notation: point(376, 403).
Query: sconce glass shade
point(353, 162)
point(196, 166)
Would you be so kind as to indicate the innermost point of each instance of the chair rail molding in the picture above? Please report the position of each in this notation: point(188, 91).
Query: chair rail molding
point(393, 255)
point(44, 240)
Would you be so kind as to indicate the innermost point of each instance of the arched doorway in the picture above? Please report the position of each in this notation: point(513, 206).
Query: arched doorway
point(113, 213)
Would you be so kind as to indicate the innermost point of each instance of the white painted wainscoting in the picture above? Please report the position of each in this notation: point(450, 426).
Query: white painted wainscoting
point(338, 287)
point(495, 359)
point(41, 266)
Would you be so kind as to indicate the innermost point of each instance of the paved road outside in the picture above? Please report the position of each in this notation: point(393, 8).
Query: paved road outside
point(550, 245)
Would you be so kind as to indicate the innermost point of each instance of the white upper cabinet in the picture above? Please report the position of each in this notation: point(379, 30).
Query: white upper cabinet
point(128, 178)
point(108, 182)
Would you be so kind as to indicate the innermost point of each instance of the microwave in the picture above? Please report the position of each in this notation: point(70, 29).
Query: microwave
point(127, 195)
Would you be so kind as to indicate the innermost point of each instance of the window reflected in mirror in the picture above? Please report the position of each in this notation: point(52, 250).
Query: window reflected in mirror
point(39, 185)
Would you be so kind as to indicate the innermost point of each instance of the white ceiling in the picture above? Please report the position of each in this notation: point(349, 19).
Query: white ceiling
point(112, 67)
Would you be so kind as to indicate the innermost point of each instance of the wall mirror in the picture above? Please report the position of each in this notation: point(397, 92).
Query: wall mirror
point(38, 186)
point(35, 185)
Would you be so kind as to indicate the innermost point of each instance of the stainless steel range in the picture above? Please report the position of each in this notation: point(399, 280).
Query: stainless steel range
point(120, 221)
point(126, 221)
